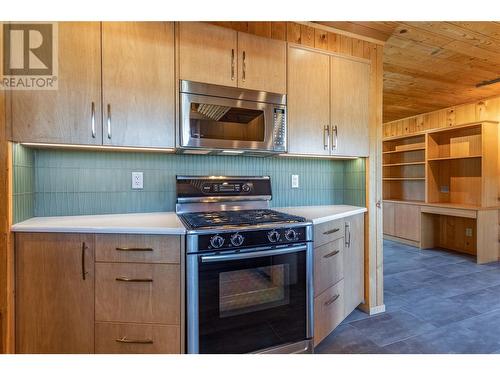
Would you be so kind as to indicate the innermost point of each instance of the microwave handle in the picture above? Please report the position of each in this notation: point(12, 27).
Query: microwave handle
point(251, 254)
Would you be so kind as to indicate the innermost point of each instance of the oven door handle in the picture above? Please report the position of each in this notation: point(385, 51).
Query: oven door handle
point(251, 254)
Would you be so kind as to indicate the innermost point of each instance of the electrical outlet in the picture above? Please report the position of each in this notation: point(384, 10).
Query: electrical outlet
point(444, 189)
point(137, 180)
point(468, 232)
point(295, 181)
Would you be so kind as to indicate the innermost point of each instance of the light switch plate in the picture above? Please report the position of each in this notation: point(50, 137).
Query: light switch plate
point(295, 181)
point(137, 180)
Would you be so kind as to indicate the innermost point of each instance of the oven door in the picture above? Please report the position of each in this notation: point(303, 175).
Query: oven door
point(221, 123)
point(249, 301)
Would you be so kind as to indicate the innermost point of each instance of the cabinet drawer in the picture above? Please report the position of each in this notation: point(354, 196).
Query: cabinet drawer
point(329, 231)
point(328, 311)
point(137, 293)
point(328, 265)
point(117, 338)
point(137, 248)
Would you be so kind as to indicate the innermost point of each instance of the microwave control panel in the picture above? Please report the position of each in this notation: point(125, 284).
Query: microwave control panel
point(279, 129)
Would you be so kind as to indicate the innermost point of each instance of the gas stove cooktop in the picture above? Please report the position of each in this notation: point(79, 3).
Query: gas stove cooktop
point(213, 219)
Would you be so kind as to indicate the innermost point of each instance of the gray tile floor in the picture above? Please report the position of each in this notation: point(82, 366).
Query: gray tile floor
point(436, 302)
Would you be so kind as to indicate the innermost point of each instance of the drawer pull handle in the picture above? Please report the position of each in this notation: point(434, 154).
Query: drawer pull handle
point(124, 340)
point(329, 255)
point(332, 300)
point(134, 280)
point(134, 249)
point(335, 230)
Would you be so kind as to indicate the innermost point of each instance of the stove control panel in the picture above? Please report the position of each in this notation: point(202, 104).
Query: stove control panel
point(246, 239)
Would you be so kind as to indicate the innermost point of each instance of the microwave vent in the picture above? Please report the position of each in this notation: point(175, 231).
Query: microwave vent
point(213, 112)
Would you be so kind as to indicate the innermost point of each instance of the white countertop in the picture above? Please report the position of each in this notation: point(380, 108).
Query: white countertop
point(322, 214)
point(159, 222)
point(148, 223)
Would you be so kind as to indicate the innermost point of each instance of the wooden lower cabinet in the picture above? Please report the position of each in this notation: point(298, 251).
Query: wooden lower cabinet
point(119, 338)
point(328, 265)
point(54, 293)
point(354, 263)
point(137, 293)
point(328, 311)
point(58, 279)
point(338, 272)
point(402, 220)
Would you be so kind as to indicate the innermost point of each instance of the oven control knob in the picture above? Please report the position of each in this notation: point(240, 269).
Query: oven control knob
point(237, 239)
point(216, 241)
point(273, 236)
point(291, 235)
point(246, 188)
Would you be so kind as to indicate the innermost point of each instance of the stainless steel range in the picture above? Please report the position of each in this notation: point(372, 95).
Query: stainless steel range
point(248, 269)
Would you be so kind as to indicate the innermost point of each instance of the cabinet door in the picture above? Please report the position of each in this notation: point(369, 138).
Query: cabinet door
point(350, 107)
point(138, 84)
point(407, 221)
point(54, 301)
point(308, 102)
point(354, 262)
point(262, 63)
point(207, 53)
point(70, 113)
point(388, 218)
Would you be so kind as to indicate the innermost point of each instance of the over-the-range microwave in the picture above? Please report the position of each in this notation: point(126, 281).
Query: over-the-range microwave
point(227, 119)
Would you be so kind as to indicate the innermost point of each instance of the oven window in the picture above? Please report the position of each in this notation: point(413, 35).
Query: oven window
point(212, 121)
point(253, 289)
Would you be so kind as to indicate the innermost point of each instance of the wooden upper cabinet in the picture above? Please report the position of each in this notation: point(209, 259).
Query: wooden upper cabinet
point(138, 84)
point(308, 102)
point(54, 293)
point(65, 115)
point(350, 106)
point(207, 53)
point(261, 63)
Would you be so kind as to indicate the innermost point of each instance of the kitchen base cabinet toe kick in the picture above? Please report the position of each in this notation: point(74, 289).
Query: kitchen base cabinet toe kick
point(104, 293)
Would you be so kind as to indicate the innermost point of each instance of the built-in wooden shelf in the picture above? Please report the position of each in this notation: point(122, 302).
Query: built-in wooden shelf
point(403, 179)
point(406, 150)
point(455, 157)
point(403, 164)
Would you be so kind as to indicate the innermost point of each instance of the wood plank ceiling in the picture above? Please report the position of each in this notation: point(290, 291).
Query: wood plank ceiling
point(433, 65)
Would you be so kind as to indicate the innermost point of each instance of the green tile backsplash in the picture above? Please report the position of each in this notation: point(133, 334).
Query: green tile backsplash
point(23, 193)
point(62, 182)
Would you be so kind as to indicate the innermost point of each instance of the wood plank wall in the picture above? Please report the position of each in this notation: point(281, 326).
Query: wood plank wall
point(3, 216)
point(488, 109)
point(317, 37)
point(6, 242)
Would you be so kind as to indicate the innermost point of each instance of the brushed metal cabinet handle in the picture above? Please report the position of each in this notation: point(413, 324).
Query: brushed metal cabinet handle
point(124, 340)
point(244, 66)
point(84, 271)
point(348, 234)
point(92, 119)
point(331, 231)
point(335, 137)
point(129, 280)
point(134, 249)
point(109, 121)
point(326, 137)
point(232, 64)
point(332, 300)
point(329, 255)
